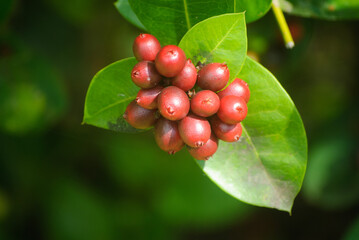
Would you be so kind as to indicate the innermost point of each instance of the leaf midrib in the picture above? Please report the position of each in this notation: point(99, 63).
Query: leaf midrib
point(186, 14)
point(225, 36)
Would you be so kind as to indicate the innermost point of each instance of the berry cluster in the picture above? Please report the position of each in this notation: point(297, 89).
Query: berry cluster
point(167, 80)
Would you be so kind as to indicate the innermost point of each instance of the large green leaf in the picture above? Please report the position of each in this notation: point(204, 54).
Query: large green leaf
point(110, 91)
point(218, 39)
point(170, 20)
point(326, 9)
point(266, 167)
point(123, 6)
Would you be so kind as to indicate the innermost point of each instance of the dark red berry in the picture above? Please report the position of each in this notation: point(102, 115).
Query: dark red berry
point(145, 75)
point(224, 131)
point(170, 60)
point(232, 110)
point(139, 117)
point(213, 76)
point(147, 98)
point(173, 103)
point(207, 150)
point(167, 136)
point(145, 47)
point(187, 78)
point(237, 88)
point(205, 103)
point(194, 130)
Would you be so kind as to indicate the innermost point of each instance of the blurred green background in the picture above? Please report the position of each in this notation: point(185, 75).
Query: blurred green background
point(62, 180)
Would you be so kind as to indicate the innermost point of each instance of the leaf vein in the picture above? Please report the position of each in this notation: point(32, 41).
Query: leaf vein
point(186, 14)
point(274, 186)
point(110, 106)
point(225, 36)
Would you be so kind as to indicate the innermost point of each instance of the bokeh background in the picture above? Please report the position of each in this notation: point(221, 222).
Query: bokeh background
point(63, 180)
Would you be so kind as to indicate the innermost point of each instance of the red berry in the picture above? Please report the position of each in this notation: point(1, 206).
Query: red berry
point(147, 98)
point(139, 117)
point(145, 47)
point(173, 103)
point(237, 88)
point(213, 76)
point(205, 103)
point(170, 60)
point(187, 78)
point(206, 151)
point(224, 131)
point(232, 110)
point(167, 136)
point(194, 130)
point(145, 75)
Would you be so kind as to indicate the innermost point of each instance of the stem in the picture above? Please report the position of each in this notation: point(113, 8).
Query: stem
point(287, 36)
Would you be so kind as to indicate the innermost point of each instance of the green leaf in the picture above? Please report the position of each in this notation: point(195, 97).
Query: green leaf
point(254, 9)
point(326, 9)
point(123, 6)
point(218, 39)
point(266, 167)
point(110, 91)
point(170, 20)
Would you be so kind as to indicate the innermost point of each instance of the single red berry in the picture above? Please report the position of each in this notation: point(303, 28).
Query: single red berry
point(213, 76)
point(173, 103)
point(167, 136)
point(232, 110)
point(205, 103)
point(224, 131)
point(147, 98)
point(194, 130)
point(187, 78)
point(145, 75)
point(145, 47)
point(170, 60)
point(207, 150)
point(139, 117)
point(237, 88)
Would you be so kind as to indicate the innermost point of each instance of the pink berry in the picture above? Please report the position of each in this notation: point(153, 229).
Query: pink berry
point(167, 136)
point(213, 76)
point(187, 78)
point(139, 117)
point(205, 103)
point(170, 61)
point(173, 103)
point(147, 98)
point(145, 75)
point(207, 150)
point(232, 110)
point(146, 47)
point(224, 131)
point(237, 88)
point(194, 130)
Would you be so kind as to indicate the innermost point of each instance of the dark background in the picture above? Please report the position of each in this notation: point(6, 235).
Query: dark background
point(63, 180)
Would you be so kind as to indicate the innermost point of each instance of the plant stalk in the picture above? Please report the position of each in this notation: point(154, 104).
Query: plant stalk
point(287, 36)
